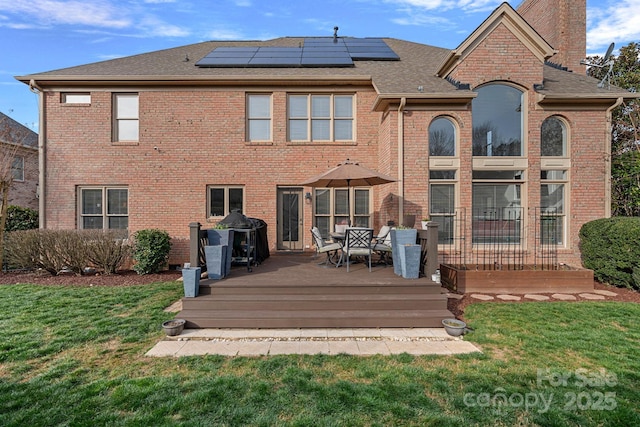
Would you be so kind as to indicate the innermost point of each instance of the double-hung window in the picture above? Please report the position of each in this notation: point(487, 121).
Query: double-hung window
point(315, 118)
point(104, 208)
point(442, 192)
point(224, 199)
point(126, 117)
point(552, 206)
point(258, 117)
point(17, 168)
point(336, 205)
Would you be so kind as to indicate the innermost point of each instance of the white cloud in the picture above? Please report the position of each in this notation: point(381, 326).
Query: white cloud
point(471, 6)
point(224, 34)
point(49, 12)
point(619, 23)
point(103, 14)
point(155, 27)
point(422, 19)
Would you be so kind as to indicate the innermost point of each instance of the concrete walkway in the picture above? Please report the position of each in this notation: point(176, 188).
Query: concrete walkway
point(357, 341)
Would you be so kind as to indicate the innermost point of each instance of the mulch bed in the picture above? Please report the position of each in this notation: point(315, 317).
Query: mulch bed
point(123, 278)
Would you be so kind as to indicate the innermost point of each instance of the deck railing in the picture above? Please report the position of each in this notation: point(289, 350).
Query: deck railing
point(427, 239)
point(502, 239)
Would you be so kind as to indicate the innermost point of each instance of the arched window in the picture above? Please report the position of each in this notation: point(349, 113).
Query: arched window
point(497, 121)
point(442, 137)
point(553, 138)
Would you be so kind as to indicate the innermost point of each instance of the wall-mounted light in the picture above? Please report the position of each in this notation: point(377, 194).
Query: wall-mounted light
point(307, 196)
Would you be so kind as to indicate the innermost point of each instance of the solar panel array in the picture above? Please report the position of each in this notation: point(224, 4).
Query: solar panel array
point(314, 52)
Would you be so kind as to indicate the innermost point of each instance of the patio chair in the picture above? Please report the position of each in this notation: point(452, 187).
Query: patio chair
point(358, 243)
point(381, 244)
point(322, 247)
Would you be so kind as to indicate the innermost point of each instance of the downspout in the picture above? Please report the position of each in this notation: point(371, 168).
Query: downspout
point(42, 164)
point(607, 191)
point(403, 102)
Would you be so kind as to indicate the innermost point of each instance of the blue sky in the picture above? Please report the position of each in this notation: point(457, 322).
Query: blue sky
point(44, 35)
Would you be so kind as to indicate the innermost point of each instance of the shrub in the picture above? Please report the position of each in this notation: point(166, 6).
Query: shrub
point(19, 218)
point(66, 250)
point(611, 248)
point(150, 250)
point(22, 249)
point(106, 250)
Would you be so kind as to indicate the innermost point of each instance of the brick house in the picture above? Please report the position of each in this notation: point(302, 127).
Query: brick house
point(166, 138)
point(19, 145)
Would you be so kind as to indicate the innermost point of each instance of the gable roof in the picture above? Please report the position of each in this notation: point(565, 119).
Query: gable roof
point(14, 133)
point(419, 76)
point(503, 15)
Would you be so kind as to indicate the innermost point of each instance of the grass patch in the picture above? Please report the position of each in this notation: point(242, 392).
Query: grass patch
point(75, 356)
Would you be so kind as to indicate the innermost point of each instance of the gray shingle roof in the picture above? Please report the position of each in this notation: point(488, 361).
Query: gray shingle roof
point(417, 67)
point(12, 132)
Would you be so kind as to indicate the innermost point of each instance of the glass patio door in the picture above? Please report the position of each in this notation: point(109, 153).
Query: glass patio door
point(290, 203)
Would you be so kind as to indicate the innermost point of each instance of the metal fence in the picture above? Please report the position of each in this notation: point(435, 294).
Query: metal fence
point(500, 238)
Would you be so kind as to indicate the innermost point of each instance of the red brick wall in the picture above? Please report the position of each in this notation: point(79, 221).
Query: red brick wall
point(23, 193)
point(563, 24)
point(200, 136)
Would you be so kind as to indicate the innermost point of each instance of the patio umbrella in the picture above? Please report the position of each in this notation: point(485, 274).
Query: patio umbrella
point(347, 174)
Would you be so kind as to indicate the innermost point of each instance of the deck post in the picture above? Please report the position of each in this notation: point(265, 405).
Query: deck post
point(429, 243)
point(194, 244)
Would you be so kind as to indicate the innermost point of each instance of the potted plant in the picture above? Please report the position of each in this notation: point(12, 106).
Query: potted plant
point(191, 281)
point(173, 327)
point(454, 327)
point(401, 236)
point(219, 259)
point(425, 222)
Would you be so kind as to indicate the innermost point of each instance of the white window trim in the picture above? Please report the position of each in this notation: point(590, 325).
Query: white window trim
point(118, 118)
point(76, 98)
point(565, 193)
point(250, 118)
point(332, 118)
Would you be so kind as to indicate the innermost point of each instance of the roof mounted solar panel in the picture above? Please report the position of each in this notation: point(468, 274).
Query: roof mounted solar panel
point(314, 52)
point(370, 49)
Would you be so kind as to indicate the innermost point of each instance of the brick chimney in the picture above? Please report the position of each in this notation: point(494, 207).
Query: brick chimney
point(563, 24)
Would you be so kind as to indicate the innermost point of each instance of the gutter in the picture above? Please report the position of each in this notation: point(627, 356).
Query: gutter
point(42, 164)
point(607, 148)
point(403, 102)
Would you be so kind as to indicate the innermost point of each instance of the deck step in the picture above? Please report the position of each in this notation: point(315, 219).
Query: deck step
point(329, 289)
point(318, 319)
point(299, 302)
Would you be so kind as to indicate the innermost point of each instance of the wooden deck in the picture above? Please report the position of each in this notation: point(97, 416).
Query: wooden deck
point(293, 291)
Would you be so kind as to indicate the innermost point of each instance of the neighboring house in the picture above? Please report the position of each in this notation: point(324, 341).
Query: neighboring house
point(166, 138)
point(20, 144)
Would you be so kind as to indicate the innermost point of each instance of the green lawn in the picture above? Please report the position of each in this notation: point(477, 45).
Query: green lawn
point(75, 356)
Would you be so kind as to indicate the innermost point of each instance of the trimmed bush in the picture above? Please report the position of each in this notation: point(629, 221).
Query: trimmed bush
point(611, 248)
point(66, 250)
point(150, 250)
point(107, 250)
point(19, 218)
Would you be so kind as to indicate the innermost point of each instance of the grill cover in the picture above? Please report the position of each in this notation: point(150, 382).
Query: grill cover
point(237, 220)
